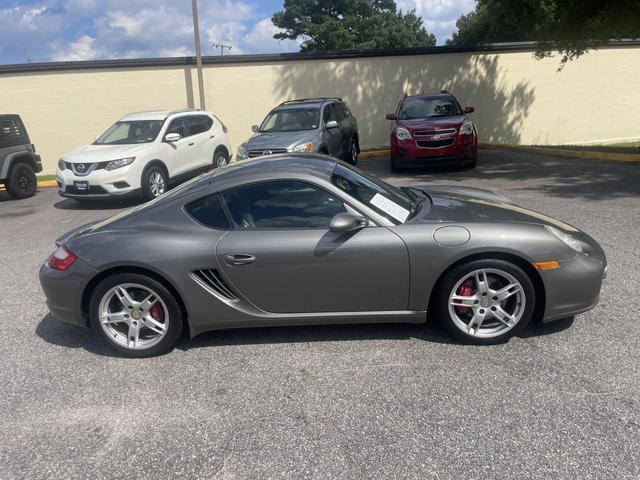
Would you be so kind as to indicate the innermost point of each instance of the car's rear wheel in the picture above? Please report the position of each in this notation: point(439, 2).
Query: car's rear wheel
point(154, 182)
point(136, 315)
point(485, 302)
point(22, 182)
point(353, 153)
point(220, 158)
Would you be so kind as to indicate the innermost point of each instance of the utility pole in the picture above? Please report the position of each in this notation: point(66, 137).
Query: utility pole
point(196, 33)
point(222, 47)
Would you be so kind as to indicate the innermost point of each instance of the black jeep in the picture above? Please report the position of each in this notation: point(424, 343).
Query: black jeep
point(19, 162)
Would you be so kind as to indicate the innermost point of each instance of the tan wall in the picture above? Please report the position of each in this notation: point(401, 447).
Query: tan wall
point(518, 100)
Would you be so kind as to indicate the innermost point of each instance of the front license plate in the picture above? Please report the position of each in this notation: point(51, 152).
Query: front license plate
point(81, 185)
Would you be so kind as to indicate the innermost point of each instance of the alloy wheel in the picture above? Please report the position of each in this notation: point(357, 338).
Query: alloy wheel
point(157, 184)
point(133, 316)
point(487, 303)
point(221, 160)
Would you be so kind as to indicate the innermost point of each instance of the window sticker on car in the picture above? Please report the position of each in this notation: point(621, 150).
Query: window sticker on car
point(389, 207)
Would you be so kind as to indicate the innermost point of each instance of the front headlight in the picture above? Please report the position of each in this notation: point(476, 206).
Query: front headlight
point(466, 128)
point(61, 164)
point(241, 154)
point(403, 134)
point(305, 147)
point(571, 242)
point(121, 162)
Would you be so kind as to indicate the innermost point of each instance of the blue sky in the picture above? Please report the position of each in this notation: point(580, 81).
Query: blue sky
point(57, 30)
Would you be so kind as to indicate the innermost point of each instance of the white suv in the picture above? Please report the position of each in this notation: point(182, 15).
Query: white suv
point(143, 153)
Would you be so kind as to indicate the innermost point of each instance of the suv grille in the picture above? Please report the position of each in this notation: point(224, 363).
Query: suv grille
point(271, 151)
point(84, 169)
point(435, 143)
point(430, 133)
point(210, 279)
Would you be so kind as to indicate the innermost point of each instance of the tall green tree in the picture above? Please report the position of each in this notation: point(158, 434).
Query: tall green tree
point(570, 26)
point(350, 24)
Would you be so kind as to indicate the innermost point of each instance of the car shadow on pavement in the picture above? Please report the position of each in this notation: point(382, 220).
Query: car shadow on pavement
point(59, 333)
point(106, 204)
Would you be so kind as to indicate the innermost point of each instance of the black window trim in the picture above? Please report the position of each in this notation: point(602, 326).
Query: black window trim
point(196, 115)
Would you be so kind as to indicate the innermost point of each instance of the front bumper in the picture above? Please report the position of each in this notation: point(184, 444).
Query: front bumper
point(574, 287)
point(64, 289)
point(102, 183)
point(407, 153)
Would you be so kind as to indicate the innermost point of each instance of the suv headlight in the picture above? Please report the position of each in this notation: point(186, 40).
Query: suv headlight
point(61, 164)
point(403, 134)
point(573, 243)
point(466, 128)
point(121, 162)
point(305, 147)
point(241, 154)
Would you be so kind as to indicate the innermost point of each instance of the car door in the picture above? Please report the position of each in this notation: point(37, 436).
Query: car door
point(203, 138)
point(180, 152)
point(333, 135)
point(283, 258)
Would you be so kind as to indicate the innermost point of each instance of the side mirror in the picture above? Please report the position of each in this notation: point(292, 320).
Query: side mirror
point(331, 124)
point(172, 137)
point(391, 116)
point(255, 128)
point(469, 109)
point(346, 222)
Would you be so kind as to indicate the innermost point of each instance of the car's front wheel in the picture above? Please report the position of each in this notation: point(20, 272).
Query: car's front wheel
point(136, 315)
point(485, 302)
point(22, 182)
point(154, 182)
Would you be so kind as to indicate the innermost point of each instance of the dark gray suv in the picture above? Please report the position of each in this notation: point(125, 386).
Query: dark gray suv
point(19, 162)
point(323, 125)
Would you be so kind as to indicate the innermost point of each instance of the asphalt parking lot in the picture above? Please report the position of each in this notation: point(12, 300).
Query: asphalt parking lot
point(344, 402)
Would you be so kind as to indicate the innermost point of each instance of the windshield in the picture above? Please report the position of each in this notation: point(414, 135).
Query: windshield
point(128, 132)
point(425, 108)
point(388, 201)
point(291, 119)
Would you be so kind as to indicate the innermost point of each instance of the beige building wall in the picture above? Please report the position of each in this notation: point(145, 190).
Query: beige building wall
point(518, 99)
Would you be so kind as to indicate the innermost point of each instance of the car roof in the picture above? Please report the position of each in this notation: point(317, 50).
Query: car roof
point(159, 114)
point(428, 96)
point(307, 102)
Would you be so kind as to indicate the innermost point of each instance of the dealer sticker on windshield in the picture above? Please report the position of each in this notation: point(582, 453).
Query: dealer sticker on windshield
point(389, 207)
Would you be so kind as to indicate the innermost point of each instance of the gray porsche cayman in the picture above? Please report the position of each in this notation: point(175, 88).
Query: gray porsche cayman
point(305, 239)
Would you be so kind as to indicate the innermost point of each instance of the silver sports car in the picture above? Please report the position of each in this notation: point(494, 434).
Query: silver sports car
point(304, 239)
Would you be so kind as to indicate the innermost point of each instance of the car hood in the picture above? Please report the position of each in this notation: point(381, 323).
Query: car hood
point(464, 205)
point(100, 153)
point(435, 123)
point(273, 140)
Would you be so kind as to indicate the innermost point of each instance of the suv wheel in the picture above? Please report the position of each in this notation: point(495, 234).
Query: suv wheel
point(353, 153)
point(220, 158)
point(154, 182)
point(22, 182)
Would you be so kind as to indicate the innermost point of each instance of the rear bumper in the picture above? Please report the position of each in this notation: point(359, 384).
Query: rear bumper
point(64, 289)
point(574, 287)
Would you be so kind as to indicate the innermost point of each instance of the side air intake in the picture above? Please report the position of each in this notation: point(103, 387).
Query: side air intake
point(211, 279)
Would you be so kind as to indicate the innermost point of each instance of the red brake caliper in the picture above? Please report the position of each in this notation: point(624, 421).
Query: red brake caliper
point(464, 290)
point(156, 312)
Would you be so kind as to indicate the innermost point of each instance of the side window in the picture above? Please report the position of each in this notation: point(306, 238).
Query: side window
point(282, 204)
point(209, 212)
point(341, 113)
point(177, 126)
point(198, 124)
point(328, 114)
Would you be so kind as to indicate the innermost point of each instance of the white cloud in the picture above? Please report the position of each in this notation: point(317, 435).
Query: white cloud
point(82, 49)
point(439, 16)
point(260, 39)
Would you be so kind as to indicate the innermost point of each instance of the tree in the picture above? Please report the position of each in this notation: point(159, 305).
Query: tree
point(350, 24)
point(572, 27)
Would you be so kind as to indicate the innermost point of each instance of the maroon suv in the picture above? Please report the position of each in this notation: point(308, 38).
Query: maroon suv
point(432, 130)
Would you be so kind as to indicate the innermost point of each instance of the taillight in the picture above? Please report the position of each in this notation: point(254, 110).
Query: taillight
point(61, 259)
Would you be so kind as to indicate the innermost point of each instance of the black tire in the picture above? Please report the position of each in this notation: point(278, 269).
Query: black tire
point(473, 162)
point(22, 181)
point(176, 319)
point(353, 153)
point(394, 166)
point(220, 158)
point(147, 189)
point(440, 304)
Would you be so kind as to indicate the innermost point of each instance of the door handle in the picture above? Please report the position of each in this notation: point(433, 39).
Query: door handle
point(239, 259)
point(213, 136)
point(191, 144)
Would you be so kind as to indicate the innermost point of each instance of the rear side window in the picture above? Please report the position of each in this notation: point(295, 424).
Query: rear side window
point(209, 212)
point(198, 124)
point(11, 133)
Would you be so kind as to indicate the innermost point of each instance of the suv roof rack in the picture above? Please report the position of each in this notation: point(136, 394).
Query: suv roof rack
point(302, 100)
point(183, 110)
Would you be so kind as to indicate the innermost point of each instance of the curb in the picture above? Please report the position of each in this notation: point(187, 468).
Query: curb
point(47, 183)
point(381, 152)
point(561, 152)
